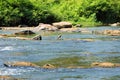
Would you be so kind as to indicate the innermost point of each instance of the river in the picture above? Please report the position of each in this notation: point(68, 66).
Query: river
point(103, 48)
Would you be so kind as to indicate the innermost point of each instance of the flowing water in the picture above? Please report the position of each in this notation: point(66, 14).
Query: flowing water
point(103, 48)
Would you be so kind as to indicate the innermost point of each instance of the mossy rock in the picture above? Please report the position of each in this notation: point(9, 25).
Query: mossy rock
point(66, 62)
point(25, 32)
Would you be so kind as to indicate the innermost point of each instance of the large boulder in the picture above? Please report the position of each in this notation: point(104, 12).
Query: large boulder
point(46, 27)
point(25, 32)
point(20, 64)
point(60, 25)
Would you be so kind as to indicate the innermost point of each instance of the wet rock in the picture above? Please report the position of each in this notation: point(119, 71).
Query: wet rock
point(38, 37)
point(46, 27)
point(22, 38)
point(60, 25)
point(59, 37)
point(20, 64)
point(108, 32)
point(48, 66)
point(112, 32)
point(7, 78)
point(105, 64)
point(25, 32)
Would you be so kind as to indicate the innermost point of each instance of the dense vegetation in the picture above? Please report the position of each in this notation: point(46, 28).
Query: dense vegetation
point(33, 12)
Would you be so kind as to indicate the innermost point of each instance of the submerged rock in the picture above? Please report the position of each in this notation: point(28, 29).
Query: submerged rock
point(105, 64)
point(25, 32)
point(20, 64)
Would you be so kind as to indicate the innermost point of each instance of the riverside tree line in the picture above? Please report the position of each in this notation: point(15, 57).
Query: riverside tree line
point(33, 12)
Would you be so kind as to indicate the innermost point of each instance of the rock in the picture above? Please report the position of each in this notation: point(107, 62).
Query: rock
point(38, 37)
point(25, 32)
point(115, 24)
point(7, 78)
point(0, 28)
point(48, 66)
point(47, 27)
point(20, 64)
point(59, 37)
point(22, 26)
point(105, 64)
point(78, 25)
point(60, 25)
point(112, 32)
point(117, 65)
point(22, 38)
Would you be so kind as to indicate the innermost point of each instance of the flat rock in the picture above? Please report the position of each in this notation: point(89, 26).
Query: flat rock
point(24, 32)
point(7, 78)
point(105, 64)
point(112, 32)
point(20, 64)
point(60, 25)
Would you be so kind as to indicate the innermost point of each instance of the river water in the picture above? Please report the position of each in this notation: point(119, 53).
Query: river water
point(103, 48)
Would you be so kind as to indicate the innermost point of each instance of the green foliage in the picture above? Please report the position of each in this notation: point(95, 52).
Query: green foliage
point(15, 12)
point(33, 12)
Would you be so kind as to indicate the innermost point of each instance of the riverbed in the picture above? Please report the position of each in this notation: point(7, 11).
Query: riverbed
point(91, 47)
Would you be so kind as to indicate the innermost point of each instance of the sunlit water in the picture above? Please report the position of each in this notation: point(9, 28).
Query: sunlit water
point(101, 48)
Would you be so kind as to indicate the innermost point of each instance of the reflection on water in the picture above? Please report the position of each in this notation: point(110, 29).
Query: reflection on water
point(73, 49)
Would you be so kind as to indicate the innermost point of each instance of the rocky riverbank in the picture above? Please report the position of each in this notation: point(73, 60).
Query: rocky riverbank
point(55, 27)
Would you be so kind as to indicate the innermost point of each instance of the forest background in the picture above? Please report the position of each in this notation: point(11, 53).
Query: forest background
point(84, 12)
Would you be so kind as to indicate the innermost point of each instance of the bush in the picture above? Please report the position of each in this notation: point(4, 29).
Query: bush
point(33, 12)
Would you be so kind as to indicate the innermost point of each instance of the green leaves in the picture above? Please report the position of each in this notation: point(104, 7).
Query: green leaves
point(33, 12)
